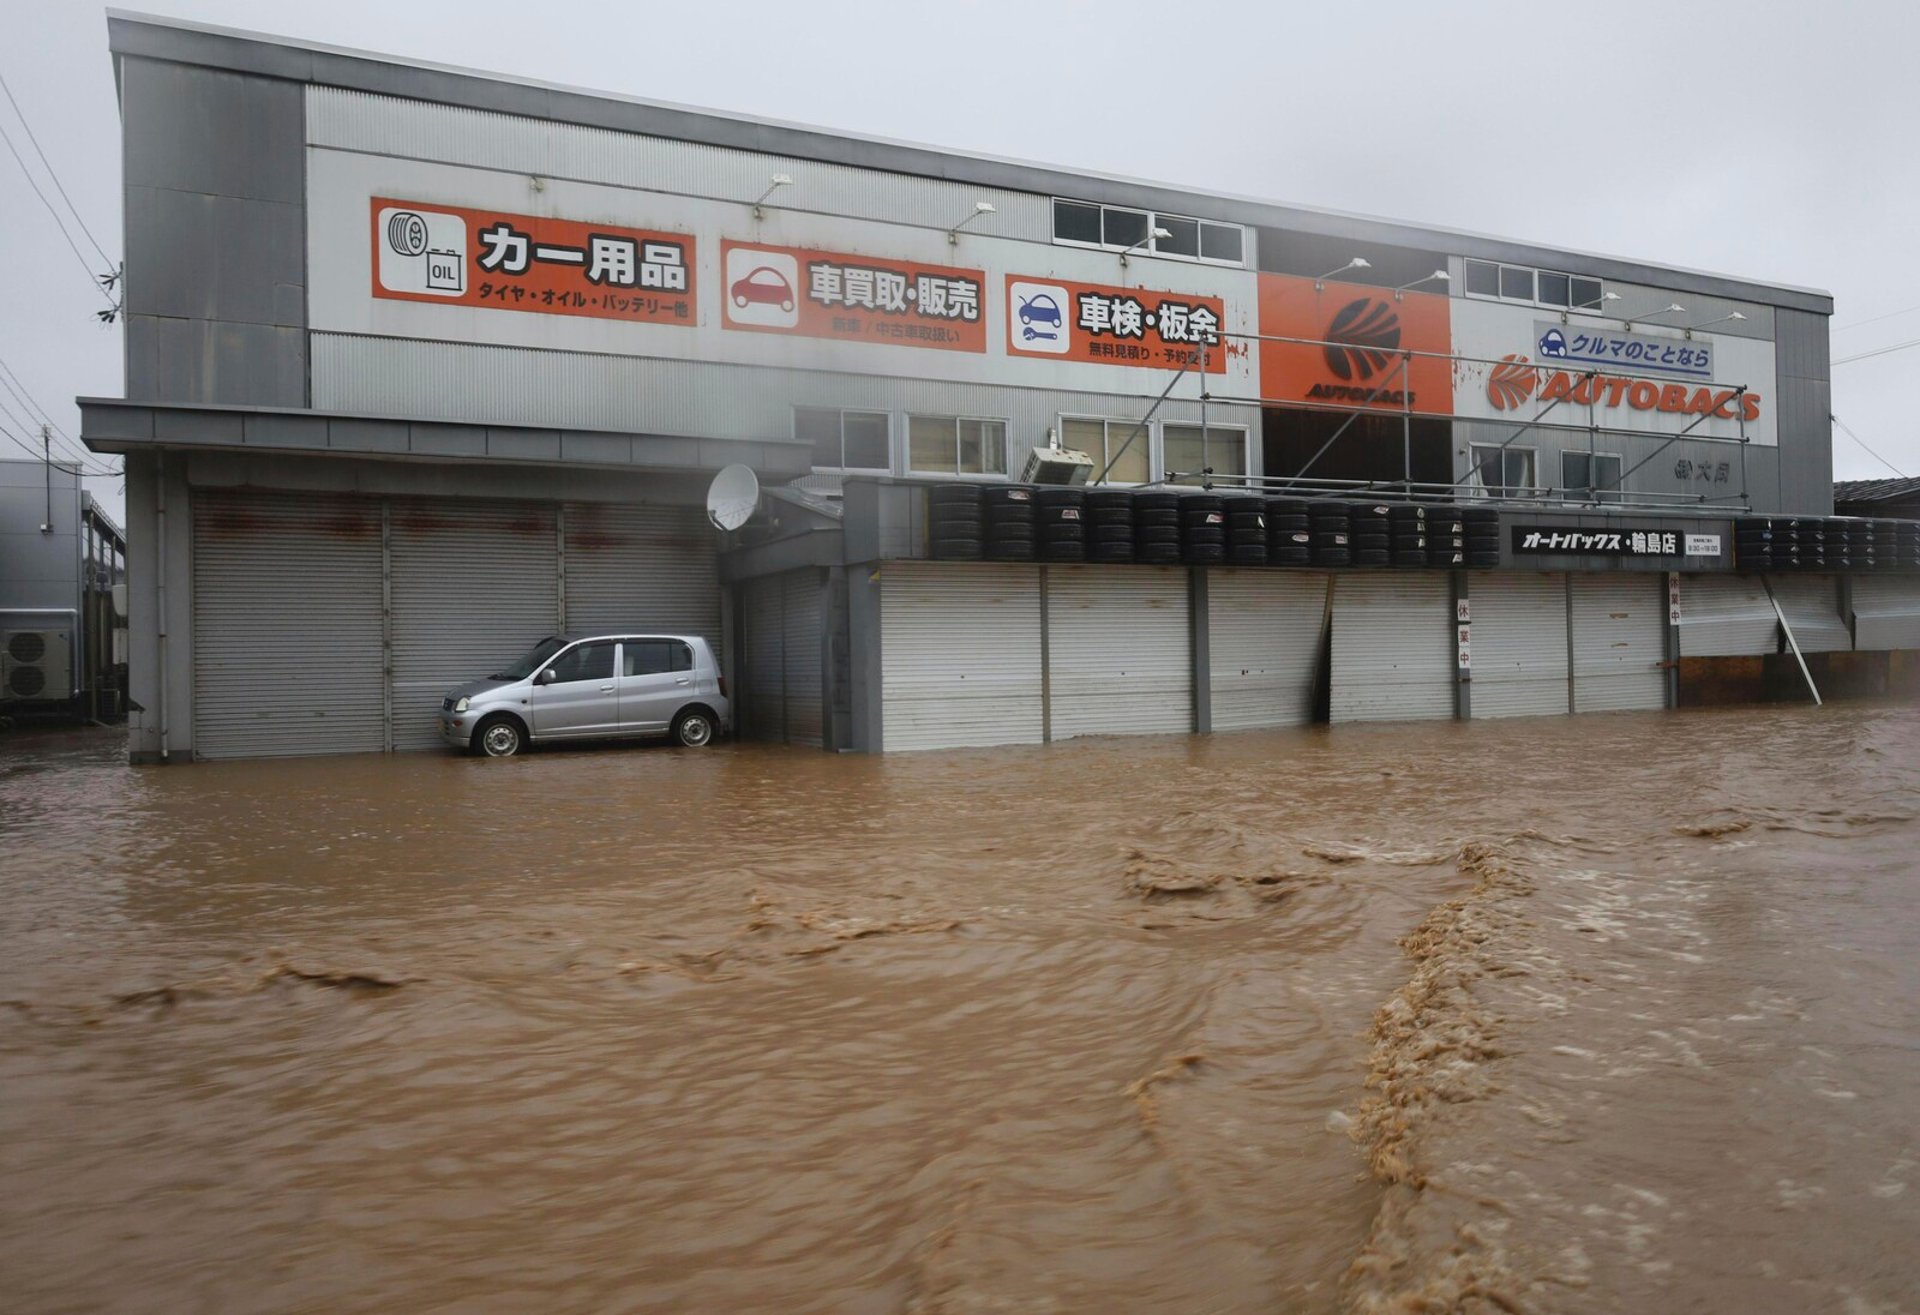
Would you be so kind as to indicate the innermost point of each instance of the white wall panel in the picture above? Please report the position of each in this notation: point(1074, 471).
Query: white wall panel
point(1393, 647)
point(1726, 616)
point(1120, 650)
point(1619, 641)
point(1519, 643)
point(1264, 633)
point(1886, 611)
point(960, 654)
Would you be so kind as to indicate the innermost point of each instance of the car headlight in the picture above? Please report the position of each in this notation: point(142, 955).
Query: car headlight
point(461, 706)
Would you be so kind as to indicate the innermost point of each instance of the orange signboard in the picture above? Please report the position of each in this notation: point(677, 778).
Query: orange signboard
point(464, 257)
point(1352, 346)
point(1090, 322)
point(825, 294)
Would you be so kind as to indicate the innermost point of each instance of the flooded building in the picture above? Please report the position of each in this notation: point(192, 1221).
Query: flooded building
point(63, 596)
point(425, 364)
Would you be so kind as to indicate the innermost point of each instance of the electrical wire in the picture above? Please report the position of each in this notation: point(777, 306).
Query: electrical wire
point(48, 166)
point(1892, 314)
point(66, 450)
point(1878, 351)
point(92, 278)
point(1869, 451)
point(13, 384)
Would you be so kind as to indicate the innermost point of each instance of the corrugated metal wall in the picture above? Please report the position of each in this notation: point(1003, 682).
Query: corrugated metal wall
point(763, 640)
point(1812, 607)
point(648, 567)
point(1726, 616)
point(960, 646)
point(1393, 647)
point(1619, 641)
point(803, 604)
point(1264, 638)
point(1519, 643)
point(1120, 651)
point(1886, 611)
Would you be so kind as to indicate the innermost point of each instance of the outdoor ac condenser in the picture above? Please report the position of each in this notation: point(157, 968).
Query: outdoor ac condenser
point(1056, 465)
point(34, 665)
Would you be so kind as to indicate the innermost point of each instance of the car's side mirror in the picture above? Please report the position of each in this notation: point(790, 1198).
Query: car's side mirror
point(546, 677)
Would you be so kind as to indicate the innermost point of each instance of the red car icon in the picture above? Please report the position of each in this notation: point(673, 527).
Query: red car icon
point(765, 285)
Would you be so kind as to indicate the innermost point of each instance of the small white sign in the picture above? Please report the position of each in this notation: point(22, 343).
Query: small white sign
point(1673, 598)
point(423, 251)
point(1463, 610)
point(1466, 647)
point(1037, 317)
point(762, 288)
point(1703, 545)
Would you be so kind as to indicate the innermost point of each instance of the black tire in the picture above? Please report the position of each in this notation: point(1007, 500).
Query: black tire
point(1248, 554)
point(1241, 538)
point(1108, 498)
point(1333, 557)
point(1480, 515)
point(693, 728)
point(1410, 557)
point(1114, 550)
point(499, 736)
point(1203, 554)
point(1012, 550)
point(1370, 557)
point(1064, 551)
point(1103, 533)
point(954, 494)
point(1289, 556)
point(1368, 541)
point(947, 527)
point(957, 550)
point(1301, 539)
point(1402, 515)
point(1283, 524)
point(1157, 554)
point(1332, 539)
point(1157, 516)
point(1280, 507)
point(1155, 502)
point(1007, 495)
point(1145, 534)
point(1482, 558)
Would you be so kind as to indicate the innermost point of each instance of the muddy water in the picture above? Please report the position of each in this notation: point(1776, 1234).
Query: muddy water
point(1616, 1013)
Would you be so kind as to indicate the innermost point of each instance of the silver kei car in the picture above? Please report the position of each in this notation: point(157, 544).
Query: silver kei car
point(591, 687)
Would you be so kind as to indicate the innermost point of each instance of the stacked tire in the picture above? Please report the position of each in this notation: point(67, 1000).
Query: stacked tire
point(1372, 536)
point(954, 532)
point(1753, 543)
point(1813, 542)
point(1408, 526)
point(1059, 518)
point(1838, 535)
point(1784, 550)
point(1109, 514)
point(1007, 510)
point(1482, 535)
point(1446, 537)
point(1289, 532)
point(1246, 531)
point(1156, 528)
point(1908, 556)
point(1886, 545)
point(1203, 529)
point(1330, 525)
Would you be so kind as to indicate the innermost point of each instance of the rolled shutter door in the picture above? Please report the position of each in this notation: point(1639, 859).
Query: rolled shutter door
point(1519, 644)
point(1263, 641)
point(960, 654)
point(644, 568)
point(287, 632)
point(764, 624)
point(1393, 647)
point(1619, 642)
point(1121, 650)
point(475, 584)
point(800, 624)
point(1886, 611)
point(1726, 616)
point(1812, 607)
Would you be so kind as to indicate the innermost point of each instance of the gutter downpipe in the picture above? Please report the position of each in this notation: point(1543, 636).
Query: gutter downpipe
point(160, 565)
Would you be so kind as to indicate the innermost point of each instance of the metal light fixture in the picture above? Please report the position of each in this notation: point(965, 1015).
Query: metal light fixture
point(1730, 315)
point(979, 208)
point(1439, 275)
point(1669, 309)
point(1152, 234)
point(1358, 262)
point(774, 184)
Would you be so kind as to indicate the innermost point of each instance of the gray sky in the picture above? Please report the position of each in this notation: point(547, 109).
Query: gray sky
point(1761, 139)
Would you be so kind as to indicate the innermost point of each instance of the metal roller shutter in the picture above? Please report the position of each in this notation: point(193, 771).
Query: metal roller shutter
point(1264, 631)
point(651, 568)
point(960, 654)
point(287, 627)
point(1726, 616)
point(1121, 650)
point(1393, 647)
point(1886, 611)
point(800, 626)
point(1619, 642)
point(1519, 644)
point(1812, 605)
point(763, 622)
point(475, 584)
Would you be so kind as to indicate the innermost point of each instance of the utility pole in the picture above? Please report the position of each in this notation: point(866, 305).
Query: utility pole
point(46, 464)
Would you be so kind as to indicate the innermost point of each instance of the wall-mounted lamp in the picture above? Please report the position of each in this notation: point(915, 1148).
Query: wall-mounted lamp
point(774, 184)
point(1672, 308)
point(1730, 315)
point(979, 208)
point(1439, 275)
point(1151, 235)
point(1358, 262)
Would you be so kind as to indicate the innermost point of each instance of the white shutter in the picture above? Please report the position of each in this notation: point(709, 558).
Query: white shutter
point(1263, 641)
point(1726, 616)
point(1812, 606)
point(1886, 611)
point(1393, 647)
point(1519, 643)
point(802, 599)
point(642, 568)
point(763, 623)
point(960, 654)
point(286, 625)
point(1619, 642)
point(475, 585)
point(1121, 650)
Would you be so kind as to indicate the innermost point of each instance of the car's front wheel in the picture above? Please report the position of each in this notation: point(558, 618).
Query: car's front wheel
point(499, 737)
point(693, 729)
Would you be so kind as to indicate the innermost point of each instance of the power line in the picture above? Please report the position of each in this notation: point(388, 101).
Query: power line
point(68, 449)
point(48, 164)
point(1878, 351)
point(1869, 451)
point(1892, 314)
point(13, 384)
point(92, 278)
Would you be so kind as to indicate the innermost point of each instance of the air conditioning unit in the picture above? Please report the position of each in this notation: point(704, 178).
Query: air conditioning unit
point(35, 666)
point(1056, 465)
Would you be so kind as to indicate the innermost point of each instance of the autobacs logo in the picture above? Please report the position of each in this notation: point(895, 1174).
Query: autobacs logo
point(1362, 338)
point(1511, 382)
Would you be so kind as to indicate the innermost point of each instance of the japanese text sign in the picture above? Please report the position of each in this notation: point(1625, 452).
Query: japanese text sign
point(821, 294)
point(1114, 326)
point(1615, 351)
point(1351, 345)
point(505, 261)
point(1536, 539)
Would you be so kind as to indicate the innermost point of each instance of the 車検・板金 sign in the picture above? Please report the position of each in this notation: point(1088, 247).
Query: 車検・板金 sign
point(502, 261)
point(1102, 325)
point(826, 294)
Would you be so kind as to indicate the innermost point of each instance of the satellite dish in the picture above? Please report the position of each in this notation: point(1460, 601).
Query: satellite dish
point(732, 498)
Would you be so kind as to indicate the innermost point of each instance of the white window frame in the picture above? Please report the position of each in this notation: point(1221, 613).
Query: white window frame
point(843, 412)
point(1480, 490)
point(1149, 434)
point(906, 446)
point(1152, 245)
point(1466, 287)
point(1246, 443)
point(1598, 495)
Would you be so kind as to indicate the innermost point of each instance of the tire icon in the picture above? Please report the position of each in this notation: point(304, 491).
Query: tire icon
point(407, 233)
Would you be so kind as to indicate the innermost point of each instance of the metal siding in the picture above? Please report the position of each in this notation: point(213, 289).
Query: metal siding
point(475, 584)
point(1519, 644)
point(1619, 642)
point(1726, 616)
point(286, 619)
point(1121, 650)
point(763, 602)
point(960, 655)
point(1886, 611)
point(655, 568)
point(1812, 607)
point(1264, 631)
point(1393, 647)
point(800, 626)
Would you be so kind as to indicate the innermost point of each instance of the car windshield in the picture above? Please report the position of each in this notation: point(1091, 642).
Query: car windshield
point(533, 661)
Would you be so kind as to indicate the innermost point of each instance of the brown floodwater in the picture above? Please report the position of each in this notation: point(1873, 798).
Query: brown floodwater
point(1615, 1013)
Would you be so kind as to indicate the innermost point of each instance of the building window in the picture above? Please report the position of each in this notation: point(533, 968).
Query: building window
point(1503, 472)
point(1118, 228)
point(1590, 476)
point(956, 445)
point(1224, 451)
point(1543, 287)
point(1103, 441)
point(844, 440)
